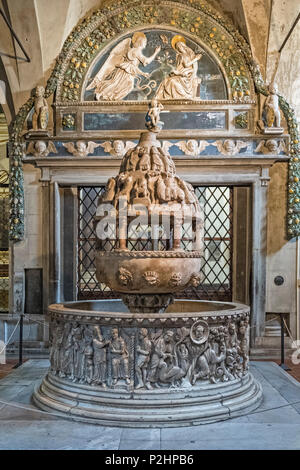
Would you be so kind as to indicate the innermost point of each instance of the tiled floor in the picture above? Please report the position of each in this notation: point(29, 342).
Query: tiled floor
point(274, 425)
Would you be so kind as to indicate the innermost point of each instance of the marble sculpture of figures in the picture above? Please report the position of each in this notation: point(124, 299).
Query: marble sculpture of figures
point(148, 176)
point(81, 149)
point(40, 115)
point(143, 350)
point(271, 111)
point(117, 148)
point(100, 357)
point(182, 82)
point(40, 149)
point(115, 79)
point(119, 358)
point(163, 365)
point(160, 358)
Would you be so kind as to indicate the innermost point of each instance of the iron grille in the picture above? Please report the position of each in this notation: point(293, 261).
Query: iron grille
point(216, 268)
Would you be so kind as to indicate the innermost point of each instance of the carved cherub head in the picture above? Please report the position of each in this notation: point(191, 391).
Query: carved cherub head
point(39, 91)
point(118, 147)
point(154, 103)
point(81, 146)
point(271, 145)
point(40, 146)
point(192, 145)
point(229, 145)
point(273, 88)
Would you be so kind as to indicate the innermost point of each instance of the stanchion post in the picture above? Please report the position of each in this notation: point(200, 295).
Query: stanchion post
point(282, 364)
point(20, 342)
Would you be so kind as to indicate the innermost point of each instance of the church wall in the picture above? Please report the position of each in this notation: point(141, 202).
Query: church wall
point(282, 255)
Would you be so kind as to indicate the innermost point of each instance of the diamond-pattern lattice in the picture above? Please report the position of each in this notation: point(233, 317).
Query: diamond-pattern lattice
point(216, 268)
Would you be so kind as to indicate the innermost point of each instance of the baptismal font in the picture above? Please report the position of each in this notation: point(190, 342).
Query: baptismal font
point(149, 360)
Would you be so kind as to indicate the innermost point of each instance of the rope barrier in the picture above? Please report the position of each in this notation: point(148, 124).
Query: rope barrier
point(288, 330)
point(5, 344)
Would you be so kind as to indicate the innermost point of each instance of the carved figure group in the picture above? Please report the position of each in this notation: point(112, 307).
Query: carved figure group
point(115, 79)
point(160, 358)
point(148, 176)
point(80, 352)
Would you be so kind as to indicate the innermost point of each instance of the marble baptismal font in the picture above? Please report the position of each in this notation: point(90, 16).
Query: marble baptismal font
point(149, 360)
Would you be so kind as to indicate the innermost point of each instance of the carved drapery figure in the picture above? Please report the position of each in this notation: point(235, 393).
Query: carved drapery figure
point(244, 343)
point(143, 351)
point(56, 346)
point(67, 357)
point(100, 353)
point(119, 358)
point(89, 360)
point(182, 83)
point(76, 344)
point(115, 80)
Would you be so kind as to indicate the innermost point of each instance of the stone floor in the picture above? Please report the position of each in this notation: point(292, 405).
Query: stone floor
point(275, 425)
point(6, 369)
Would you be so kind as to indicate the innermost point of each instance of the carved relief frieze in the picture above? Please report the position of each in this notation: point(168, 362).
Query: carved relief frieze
point(150, 357)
